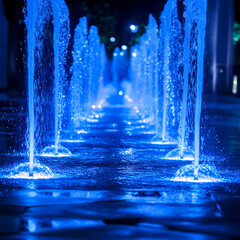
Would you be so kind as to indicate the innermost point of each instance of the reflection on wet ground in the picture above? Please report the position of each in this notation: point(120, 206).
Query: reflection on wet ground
point(116, 184)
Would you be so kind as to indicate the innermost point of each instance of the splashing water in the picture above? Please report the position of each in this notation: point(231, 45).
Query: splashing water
point(79, 81)
point(61, 40)
point(31, 41)
point(196, 171)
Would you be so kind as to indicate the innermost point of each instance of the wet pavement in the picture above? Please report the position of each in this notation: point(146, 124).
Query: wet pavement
point(116, 184)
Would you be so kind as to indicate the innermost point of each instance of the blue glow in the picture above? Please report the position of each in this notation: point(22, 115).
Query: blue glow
point(89, 62)
point(79, 84)
point(235, 84)
point(124, 47)
point(50, 152)
point(174, 49)
point(61, 38)
point(133, 28)
point(39, 171)
point(32, 226)
point(175, 154)
point(31, 43)
point(112, 39)
point(165, 61)
point(206, 173)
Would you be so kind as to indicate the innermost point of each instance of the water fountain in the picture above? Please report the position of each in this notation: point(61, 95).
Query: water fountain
point(103, 65)
point(115, 68)
point(80, 75)
point(94, 62)
point(169, 73)
point(89, 62)
point(155, 69)
point(182, 152)
point(195, 17)
point(144, 101)
point(152, 69)
point(133, 75)
point(61, 39)
point(180, 63)
point(144, 76)
point(32, 169)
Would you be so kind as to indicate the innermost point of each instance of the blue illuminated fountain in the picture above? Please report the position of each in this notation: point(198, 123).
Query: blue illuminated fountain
point(144, 101)
point(61, 39)
point(180, 62)
point(169, 72)
point(136, 76)
point(89, 62)
point(80, 75)
point(35, 15)
point(94, 62)
point(103, 65)
point(119, 66)
point(183, 152)
point(163, 66)
point(39, 13)
point(152, 69)
point(195, 17)
point(156, 72)
point(144, 75)
point(115, 68)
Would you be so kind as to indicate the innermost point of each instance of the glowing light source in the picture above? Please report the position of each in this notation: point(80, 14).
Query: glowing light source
point(32, 226)
point(82, 131)
point(114, 54)
point(134, 54)
point(124, 47)
point(93, 106)
point(236, 33)
point(235, 84)
point(128, 98)
point(112, 39)
point(39, 171)
point(133, 28)
point(120, 93)
point(121, 53)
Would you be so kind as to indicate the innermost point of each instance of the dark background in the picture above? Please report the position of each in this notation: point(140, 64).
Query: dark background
point(113, 18)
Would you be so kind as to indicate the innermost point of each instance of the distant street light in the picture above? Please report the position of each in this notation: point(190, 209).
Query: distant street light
point(134, 54)
point(124, 47)
point(133, 28)
point(112, 39)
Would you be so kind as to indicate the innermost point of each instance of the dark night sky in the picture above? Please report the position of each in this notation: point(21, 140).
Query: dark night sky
point(237, 10)
point(112, 17)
